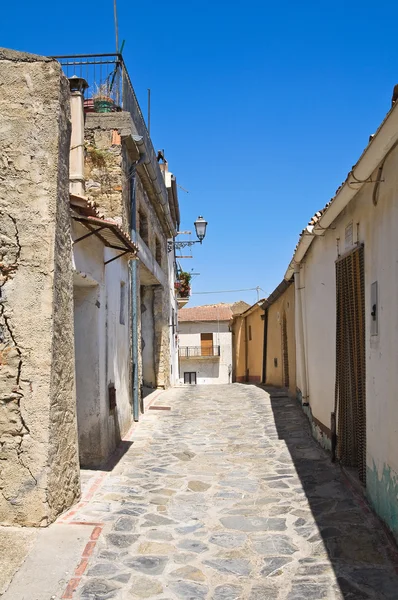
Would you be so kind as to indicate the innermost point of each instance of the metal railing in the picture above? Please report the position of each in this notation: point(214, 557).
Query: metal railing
point(109, 71)
point(198, 351)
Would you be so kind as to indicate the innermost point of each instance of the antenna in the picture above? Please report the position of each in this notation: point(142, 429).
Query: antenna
point(116, 25)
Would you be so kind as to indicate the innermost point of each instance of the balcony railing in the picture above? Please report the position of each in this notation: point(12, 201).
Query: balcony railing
point(199, 352)
point(109, 70)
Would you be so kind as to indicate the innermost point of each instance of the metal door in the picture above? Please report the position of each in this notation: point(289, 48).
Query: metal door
point(350, 390)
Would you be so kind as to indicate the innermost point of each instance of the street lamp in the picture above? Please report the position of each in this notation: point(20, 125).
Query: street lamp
point(200, 228)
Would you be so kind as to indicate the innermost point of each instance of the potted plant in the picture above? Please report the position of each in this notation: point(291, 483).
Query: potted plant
point(103, 103)
point(182, 285)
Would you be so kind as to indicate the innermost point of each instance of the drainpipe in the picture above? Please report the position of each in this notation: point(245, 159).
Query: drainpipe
point(134, 294)
point(300, 335)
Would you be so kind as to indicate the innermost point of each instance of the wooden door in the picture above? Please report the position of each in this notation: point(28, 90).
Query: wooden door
point(206, 344)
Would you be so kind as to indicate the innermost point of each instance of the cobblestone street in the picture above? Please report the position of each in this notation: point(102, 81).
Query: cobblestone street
point(226, 496)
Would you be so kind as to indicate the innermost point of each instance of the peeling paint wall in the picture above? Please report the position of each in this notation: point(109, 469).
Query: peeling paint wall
point(39, 472)
point(374, 225)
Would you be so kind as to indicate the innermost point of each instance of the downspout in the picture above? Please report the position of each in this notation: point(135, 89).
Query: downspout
point(301, 343)
point(265, 345)
point(134, 294)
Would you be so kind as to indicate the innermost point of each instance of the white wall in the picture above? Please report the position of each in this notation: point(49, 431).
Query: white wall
point(118, 357)
point(90, 348)
point(102, 347)
point(214, 370)
point(376, 227)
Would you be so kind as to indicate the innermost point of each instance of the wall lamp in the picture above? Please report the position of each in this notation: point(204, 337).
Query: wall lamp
point(200, 228)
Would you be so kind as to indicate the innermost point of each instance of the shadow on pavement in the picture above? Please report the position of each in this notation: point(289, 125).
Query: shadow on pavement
point(364, 559)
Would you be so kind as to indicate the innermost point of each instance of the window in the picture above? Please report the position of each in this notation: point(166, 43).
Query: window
point(122, 303)
point(250, 333)
point(158, 252)
point(206, 344)
point(143, 227)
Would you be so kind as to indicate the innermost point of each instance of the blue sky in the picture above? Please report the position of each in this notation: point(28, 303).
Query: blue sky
point(262, 108)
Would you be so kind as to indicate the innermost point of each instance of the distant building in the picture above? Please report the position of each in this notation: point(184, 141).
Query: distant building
point(248, 344)
point(205, 344)
point(280, 341)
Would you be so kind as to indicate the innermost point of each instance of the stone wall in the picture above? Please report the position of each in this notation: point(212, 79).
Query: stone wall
point(39, 472)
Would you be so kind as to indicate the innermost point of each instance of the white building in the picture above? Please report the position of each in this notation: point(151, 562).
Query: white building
point(205, 344)
point(347, 350)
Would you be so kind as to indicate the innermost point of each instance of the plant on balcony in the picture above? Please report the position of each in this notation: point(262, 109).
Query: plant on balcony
point(103, 103)
point(182, 286)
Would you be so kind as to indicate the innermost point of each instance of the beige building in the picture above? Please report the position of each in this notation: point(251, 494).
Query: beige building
point(248, 344)
point(346, 292)
point(280, 340)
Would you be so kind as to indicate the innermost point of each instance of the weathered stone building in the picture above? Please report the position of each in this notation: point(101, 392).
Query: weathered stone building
point(83, 328)
point(123, 176)
point(39, 469)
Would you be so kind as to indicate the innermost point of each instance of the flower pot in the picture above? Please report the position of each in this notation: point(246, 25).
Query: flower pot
point(89, 105)
point(103, 105)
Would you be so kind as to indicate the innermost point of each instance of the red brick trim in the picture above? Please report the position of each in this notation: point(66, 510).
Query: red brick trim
point(74, 581)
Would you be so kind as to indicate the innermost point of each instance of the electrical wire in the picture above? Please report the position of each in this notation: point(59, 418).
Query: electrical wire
point(228, 291)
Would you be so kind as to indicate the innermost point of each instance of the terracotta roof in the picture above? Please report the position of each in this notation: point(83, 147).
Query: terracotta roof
point(107, 230)
point(211, 312)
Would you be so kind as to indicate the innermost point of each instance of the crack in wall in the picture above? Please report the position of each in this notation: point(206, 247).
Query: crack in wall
point(6, 274)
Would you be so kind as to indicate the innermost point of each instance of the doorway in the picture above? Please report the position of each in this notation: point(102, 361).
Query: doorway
point(190, 377)
point(350, 390)
point(88, 367)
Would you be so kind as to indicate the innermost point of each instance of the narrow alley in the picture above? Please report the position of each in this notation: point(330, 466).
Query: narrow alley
point(222, 494)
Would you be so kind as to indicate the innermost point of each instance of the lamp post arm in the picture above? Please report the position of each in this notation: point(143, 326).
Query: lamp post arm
point(182, 244)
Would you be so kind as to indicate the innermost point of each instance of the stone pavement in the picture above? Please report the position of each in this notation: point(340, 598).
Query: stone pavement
point(226, 496)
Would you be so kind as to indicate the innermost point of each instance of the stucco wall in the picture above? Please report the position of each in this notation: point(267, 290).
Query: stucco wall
point(284, 305)
point(239, 349)
point(118, 351)
point(90, 348)
point(102, 347)
point(248, 353)
point(211, 370)
point(255, 345)
point(375, 226)
point(39, 472)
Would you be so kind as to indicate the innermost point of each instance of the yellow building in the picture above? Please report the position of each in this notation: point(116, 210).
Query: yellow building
point(248, 343)
point(279, 343)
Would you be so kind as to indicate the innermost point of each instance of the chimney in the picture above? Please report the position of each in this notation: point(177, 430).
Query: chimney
point(76, 156)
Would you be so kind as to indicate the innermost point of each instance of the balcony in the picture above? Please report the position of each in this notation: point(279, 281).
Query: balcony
point(199, 352)
point(182, 301)
point(108, 73)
